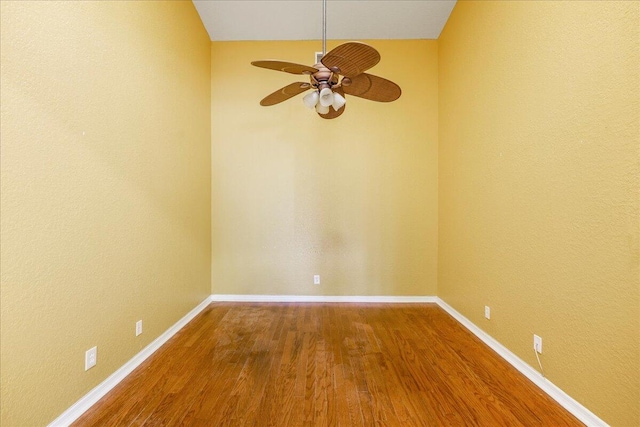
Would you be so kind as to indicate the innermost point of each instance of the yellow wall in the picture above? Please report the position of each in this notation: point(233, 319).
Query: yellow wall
point(353, 199)
point(539, 197)
point(105, 190)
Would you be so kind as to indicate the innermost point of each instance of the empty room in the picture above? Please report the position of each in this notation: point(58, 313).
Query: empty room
point(320, 213)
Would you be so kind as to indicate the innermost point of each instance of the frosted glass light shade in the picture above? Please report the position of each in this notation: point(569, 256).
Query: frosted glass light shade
point(338, 101)
point(321, 108)
point(326, 97)
point(311, 99)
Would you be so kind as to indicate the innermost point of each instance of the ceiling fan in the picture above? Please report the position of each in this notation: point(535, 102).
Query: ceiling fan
point(340, 72)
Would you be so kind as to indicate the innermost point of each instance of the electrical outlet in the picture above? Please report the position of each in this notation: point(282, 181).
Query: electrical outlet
point(316, 279)
point(138, 327)
point(90, 358)
point(537, 343)
point(487, 312)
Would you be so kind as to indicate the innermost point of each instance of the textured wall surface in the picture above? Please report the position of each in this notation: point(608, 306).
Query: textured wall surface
point(105, 176)
point(353, 199)
point(539, 197)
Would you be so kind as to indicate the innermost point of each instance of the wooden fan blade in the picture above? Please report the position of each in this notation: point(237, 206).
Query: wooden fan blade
point(284, 93)
point(332, 114)
point(373, 88)
point(351, 58)
point(287, 67)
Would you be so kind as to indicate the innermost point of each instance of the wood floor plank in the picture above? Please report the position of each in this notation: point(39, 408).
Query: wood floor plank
point(309, 364)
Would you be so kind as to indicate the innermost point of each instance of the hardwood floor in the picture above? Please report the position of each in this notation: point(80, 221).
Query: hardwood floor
point(325, 365)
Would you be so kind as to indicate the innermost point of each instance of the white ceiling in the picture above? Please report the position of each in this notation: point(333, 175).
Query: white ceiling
point(302, 19)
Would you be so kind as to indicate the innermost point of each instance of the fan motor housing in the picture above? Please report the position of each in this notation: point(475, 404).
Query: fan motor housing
point(323, 76)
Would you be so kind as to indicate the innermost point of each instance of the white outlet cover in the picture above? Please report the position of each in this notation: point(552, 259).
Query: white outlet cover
point(537, 343)
point(90, 358)
point(316, 279)
point(138, 327)
point(487, 312)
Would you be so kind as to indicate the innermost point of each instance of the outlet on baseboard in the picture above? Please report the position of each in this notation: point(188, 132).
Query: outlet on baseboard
point(138, 327)
point(487, 312)
point(537, 343)
point(90, 358)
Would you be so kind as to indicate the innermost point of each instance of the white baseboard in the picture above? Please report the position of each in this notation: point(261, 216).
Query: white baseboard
point(566, 401)
point(322, 298)
point(81, 406)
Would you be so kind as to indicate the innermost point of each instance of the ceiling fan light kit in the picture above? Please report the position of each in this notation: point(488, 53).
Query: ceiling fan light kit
point(340, 71)
point(326, 97)
point(321, 109)
point(311, 99)
point(338, 101)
